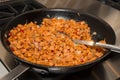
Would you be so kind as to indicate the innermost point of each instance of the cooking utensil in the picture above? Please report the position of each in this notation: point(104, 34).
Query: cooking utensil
point(93, 43)
point(96, 25)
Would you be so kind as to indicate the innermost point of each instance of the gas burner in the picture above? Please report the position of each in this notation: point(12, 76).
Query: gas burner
point(10, 9)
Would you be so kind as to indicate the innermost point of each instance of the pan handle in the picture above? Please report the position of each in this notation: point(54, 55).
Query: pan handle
point(16, 72)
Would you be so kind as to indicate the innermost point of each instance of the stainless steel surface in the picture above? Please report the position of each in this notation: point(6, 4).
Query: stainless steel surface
point(3, 69)
point(108, 46)
point(15, 72)
point(92, 43)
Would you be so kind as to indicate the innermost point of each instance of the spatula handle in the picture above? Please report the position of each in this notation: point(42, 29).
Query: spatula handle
point(108, 46)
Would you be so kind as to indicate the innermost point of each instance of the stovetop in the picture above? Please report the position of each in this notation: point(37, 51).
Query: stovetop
point(10, 9)
point(108, 69)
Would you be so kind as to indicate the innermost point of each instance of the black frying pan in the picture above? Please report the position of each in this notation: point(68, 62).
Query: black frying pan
point(96, 24)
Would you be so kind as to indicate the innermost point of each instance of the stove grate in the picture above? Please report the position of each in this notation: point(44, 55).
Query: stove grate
point(9, 9)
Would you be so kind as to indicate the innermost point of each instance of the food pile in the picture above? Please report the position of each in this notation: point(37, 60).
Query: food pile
point(45, 45)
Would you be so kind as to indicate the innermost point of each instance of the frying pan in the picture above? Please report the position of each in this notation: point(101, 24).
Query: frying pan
point(103, 30)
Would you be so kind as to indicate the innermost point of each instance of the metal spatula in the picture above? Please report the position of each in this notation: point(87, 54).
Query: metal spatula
point(92, 43)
